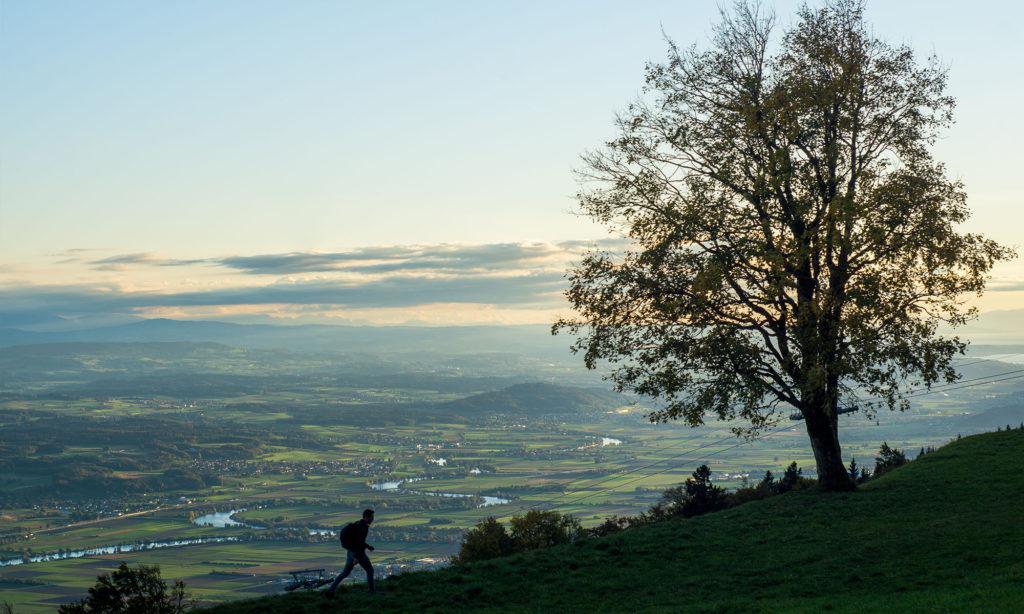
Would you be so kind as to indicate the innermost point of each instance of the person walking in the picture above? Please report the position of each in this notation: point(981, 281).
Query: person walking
point(353, 539)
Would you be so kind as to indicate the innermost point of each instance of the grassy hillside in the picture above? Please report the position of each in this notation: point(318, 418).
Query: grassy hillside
point(944, 533)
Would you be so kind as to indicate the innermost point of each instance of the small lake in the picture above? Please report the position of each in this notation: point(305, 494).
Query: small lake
point(219, 520)
point(393, 484)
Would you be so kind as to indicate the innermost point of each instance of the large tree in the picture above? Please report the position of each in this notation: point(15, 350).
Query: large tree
point(792, 241)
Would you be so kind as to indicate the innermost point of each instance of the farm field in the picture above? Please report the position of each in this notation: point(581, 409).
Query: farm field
point(131, 464)
point(897, 544)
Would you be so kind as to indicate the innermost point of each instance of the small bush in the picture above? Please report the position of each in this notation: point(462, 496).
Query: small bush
point(487, 540)
point(539, 529)
point(533, 531)
point(132, 591)
point(614, 524)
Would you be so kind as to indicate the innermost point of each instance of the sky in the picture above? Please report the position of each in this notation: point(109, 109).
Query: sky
point(380, 163)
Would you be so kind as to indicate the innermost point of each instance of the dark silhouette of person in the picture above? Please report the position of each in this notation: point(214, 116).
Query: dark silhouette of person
point(353, 539)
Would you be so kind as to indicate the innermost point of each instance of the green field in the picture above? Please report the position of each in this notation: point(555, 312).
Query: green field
point(941, 534)
point(295, 442)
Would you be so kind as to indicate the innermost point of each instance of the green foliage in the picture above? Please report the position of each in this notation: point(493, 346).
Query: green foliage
point(614, 524)
point(888, 459)
point(791, 236)
point(128, 590)
point(487, 540)
point(532, 531)
point(857, 473)
point(695, 497)
point(792, 479)
point(542, 529)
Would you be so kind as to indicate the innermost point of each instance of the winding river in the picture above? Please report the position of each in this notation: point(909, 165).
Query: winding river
point(222, 520)
point(397, 485)
point(76, 554)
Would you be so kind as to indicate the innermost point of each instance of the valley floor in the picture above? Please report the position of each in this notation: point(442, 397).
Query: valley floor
point(944, 533)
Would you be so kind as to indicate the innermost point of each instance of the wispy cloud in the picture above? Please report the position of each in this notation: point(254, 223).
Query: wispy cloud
point(527, 276)
point(122, 261)
point(444, 258)
point(1006, 284)
point(385, 292)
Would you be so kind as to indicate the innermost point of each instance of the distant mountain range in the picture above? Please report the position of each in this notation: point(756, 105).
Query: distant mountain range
point(537, 398)
point(993, 327)
point(529, 339)
point(1011, 413)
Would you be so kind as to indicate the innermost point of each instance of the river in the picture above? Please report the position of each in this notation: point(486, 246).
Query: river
point(223, 520)
point(76, 554)
point(488, 500)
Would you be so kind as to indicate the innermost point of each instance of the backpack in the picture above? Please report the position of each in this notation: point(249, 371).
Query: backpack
point(346, 536)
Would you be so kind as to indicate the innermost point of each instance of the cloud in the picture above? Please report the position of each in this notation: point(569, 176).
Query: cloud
point(442, 258)
point(496, 256)
point(388, 292)
point(1006, 285)
point(121, 261)
point(504, 276)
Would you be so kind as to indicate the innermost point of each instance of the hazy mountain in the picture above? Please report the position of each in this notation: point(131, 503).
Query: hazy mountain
point(538, 398)
point(994, 327)
point(530, 339)
point(1010, 413)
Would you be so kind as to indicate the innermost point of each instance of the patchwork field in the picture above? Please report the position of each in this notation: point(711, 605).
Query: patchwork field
point(287, 458)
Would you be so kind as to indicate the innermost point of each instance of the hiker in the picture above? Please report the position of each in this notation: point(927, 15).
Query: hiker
point(353, 539)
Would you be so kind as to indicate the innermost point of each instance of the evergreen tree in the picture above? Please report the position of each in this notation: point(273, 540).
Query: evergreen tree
point(697, 496)
point(790, 478)
point(888, 459)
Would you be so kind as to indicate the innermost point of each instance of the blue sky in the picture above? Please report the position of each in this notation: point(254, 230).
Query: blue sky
point(171, 138)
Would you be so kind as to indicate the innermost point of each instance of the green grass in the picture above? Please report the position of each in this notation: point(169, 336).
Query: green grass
point(944, 533)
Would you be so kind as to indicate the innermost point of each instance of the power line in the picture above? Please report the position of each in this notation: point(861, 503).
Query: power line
point(1020, 374)
point(921, 392)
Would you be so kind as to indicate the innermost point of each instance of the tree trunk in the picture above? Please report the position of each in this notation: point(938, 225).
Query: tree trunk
point(823, 430)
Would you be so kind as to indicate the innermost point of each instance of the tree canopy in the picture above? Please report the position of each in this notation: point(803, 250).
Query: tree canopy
point(792, 240)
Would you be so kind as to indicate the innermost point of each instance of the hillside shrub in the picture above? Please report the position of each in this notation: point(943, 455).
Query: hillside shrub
point(532, 531)
point(542, 529)
point(698, 495)
point(614, 524)
point(487, 540)
point(888, 459)
point(127, 590)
